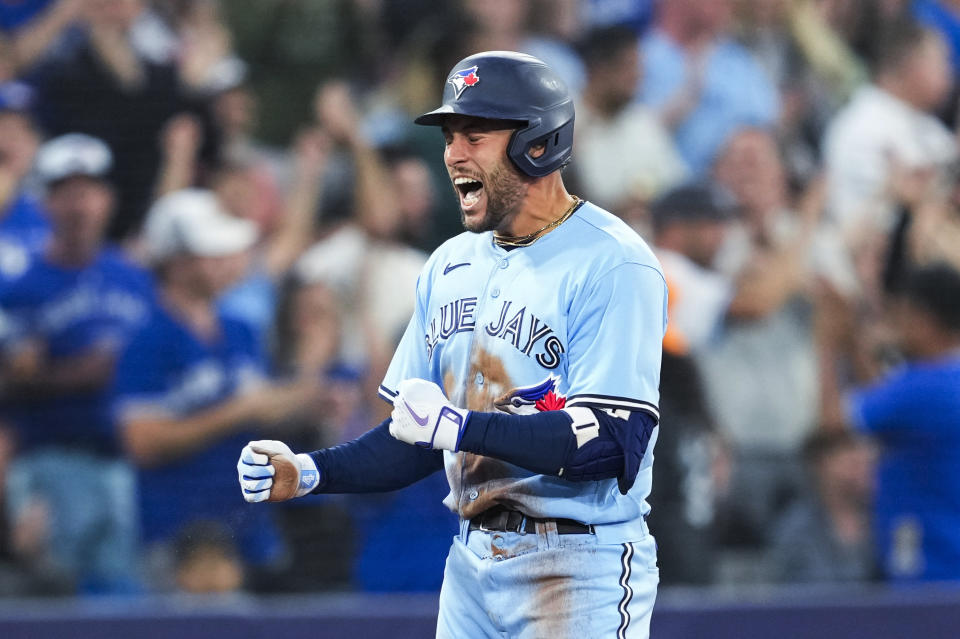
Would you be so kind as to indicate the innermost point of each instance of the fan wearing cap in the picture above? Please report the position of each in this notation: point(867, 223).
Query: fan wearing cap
point(24, 225)
point(69, 315)
point(191, 386)
point(690, 223)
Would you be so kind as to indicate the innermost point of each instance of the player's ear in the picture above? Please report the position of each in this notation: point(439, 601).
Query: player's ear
point(537, 150)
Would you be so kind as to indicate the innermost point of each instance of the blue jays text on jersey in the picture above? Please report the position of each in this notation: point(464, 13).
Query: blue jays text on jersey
point(515, 325)
point(576, 319)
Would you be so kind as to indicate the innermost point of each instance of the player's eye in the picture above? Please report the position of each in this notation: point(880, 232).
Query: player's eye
point(473, 138)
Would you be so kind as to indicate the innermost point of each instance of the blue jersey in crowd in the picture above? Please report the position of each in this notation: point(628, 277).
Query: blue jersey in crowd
point(72, 311)
point(946, 21)
point(24, 230)
point(15, 258)
point(14, 15)
point(915, 415)
point(736, 92)
point(25, 221)
point(169, 370)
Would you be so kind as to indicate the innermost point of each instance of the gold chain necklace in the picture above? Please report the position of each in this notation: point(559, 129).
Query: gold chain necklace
point(527, 240)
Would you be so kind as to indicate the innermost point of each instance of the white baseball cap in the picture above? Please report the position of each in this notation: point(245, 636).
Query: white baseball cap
point(192, 221)
point(73, 154)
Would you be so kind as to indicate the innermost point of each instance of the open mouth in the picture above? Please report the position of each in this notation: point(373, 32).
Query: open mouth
point(469, 190)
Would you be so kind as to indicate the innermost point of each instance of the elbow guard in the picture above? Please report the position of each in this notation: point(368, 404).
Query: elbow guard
point(608, 446)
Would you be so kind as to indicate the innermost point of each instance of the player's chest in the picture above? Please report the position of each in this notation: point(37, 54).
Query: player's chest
point(505, 306)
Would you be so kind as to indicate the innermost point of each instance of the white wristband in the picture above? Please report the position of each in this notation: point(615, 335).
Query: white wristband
point(309, 475)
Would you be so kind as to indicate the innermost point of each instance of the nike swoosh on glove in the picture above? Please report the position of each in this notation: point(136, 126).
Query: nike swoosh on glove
point(269, 471)
point(423, 416)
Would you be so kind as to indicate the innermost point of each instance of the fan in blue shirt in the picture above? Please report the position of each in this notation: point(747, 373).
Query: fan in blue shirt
point(915, 415)
point(65, 318)
point(191, 387)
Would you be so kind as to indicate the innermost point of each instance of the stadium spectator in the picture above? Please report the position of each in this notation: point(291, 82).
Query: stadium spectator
point(192, 384)
point(811, 65)
point(113, 89)
point(246, 183)
point(36, 27)
point(24, 226)
point(235, 113)
point(321, 533)
point(624, 153)
point(415, 198)
point(741, 310)
point(824, 537)
point(767, 337)
point(204, 44)
point(293, 45)
point(207, 560)
point(690, 224)
point(360, 257)
point(27, 568)
point(604, 13)
point(72, 311)
point(913, 414)
point(886, 122)
point(503, 25)
point(703, 84)
point(944, 17)
point(243, 190)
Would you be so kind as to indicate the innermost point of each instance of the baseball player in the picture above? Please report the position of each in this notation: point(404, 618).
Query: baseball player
point(529, 372)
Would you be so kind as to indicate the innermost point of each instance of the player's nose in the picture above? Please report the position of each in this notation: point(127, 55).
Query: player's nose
point(456, 151)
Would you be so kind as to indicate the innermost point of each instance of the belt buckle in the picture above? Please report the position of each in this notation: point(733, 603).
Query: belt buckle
point(495, 522)
point(514, 521)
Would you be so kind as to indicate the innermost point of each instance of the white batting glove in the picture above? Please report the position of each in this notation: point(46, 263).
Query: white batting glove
point(263, 460)
point(423, 416)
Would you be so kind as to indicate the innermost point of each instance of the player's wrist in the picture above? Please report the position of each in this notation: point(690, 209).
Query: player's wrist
point(309, 475)
point(451, 424)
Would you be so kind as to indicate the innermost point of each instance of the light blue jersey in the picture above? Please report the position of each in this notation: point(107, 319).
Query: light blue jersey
point(575, 319)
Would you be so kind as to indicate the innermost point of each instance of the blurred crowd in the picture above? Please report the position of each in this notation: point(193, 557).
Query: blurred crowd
point(213, 215)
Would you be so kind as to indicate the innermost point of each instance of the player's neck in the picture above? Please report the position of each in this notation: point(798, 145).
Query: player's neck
point(546, 200)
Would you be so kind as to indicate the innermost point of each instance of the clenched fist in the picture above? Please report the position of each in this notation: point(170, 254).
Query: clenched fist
point(269, 471)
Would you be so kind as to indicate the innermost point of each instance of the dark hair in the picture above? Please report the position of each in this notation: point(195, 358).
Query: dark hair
point(897, 41)
point(935, 288)
point(603, 44)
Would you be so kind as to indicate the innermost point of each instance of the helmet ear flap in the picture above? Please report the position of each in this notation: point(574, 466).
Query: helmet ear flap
point(558, 147)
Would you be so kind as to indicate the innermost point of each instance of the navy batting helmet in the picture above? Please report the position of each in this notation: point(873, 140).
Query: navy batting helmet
point(504, 85)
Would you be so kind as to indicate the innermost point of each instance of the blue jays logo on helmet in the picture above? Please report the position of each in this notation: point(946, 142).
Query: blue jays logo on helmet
point(528, 400)
point(462, 80)
point(517, 87)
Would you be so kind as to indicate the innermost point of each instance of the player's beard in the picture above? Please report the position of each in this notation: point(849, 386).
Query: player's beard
point(505, 188)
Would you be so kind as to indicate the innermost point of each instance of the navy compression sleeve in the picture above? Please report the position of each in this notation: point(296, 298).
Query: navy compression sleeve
point(374, 462)
point(540, 443)
point(546, 443)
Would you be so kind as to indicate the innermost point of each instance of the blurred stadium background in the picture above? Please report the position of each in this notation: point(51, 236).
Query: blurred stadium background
point(212, 217)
